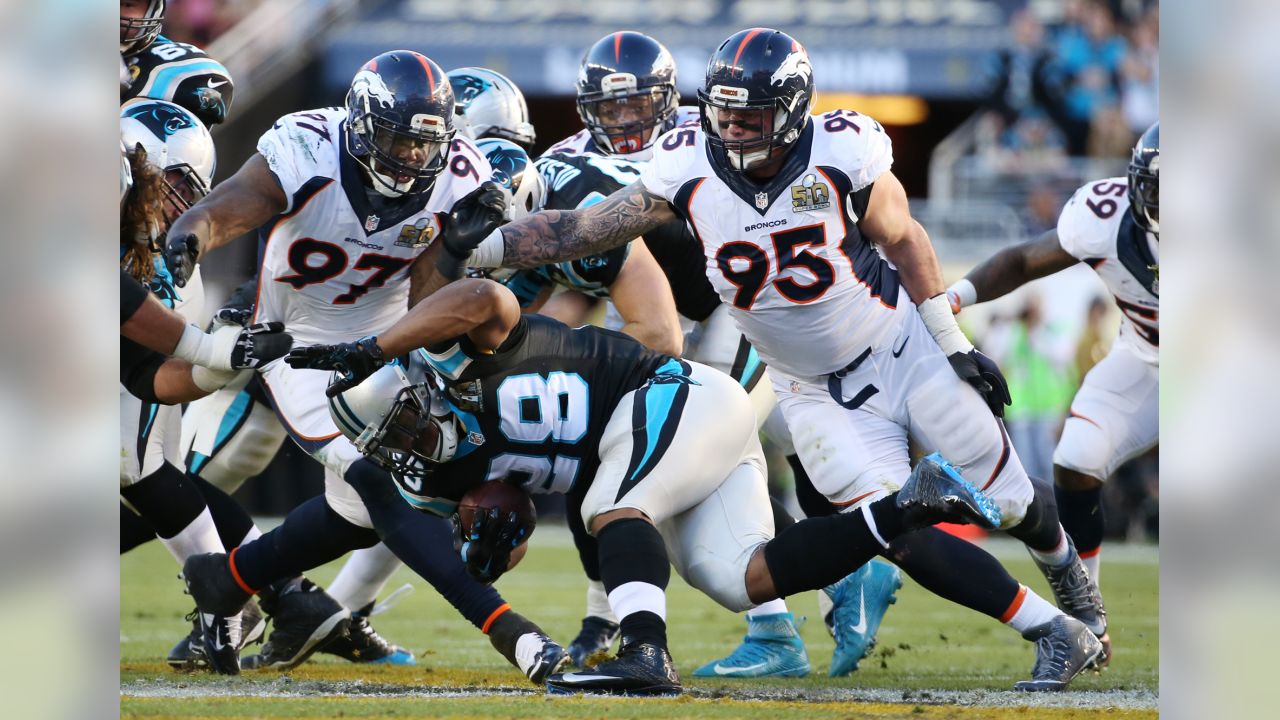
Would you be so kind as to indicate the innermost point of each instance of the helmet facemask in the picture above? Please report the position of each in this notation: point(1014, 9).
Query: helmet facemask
point(623, 118)
point(1144, 194)
point(137, 34)
point(418, 431)
point(779, 126)
point(399, 158)
point(183, 188)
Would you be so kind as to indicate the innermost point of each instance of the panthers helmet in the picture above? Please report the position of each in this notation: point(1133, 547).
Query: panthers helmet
point(627, 92)
point(137, 34)
point(400, 122)
point(488, 105)
point(176, 141)
point(1144, 180)
point(763, 78)
point(514, 170)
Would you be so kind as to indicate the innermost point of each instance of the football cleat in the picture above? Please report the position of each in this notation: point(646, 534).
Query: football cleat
point(303, 620)
point(539, 657)
point(936, 492)
point(772, 648)
point(220, 639)
point(1064, 648)
point(188, 654)
point(363, 644)
point(640, 669)
point(597, 636)
point(859, 602)
point(1078, 596)
point(211, 584)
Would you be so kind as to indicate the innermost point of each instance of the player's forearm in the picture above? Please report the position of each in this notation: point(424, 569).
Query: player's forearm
point(242, 203)
point(154, 326)
point(657, 336)
point(466, 304)
point(424, 279)
point(174, 383)
point(1015, 266)
point(917, 264)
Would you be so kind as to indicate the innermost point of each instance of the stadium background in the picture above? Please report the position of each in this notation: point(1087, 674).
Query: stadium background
point(998, 109)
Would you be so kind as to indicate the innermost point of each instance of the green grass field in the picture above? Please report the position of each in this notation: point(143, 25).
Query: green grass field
point(934, 659)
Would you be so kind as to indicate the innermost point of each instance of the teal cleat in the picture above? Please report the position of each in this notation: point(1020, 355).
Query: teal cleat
point(860, 601)
point(772, 648)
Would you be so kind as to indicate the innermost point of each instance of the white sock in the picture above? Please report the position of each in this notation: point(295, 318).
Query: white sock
point(1093, 564)
point(634, 597)
point(363, 576)
point(772, 607)
point(1056, 557)
point(199, 536)
point(1028, 610)
point(598, 602)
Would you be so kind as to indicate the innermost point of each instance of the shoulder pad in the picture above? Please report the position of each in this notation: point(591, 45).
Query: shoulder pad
point(1088, 222)
point(856, 144)
point(675, 154)
point(303, 145)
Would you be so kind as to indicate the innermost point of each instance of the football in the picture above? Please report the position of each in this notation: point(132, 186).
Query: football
point(496, 493)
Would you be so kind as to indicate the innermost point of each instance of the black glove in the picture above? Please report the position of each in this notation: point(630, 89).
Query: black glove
point(355, 360)
point(486, 550)
point(180, 255)
point(259, 344)
point(983, 374)
point(238, 309)
point(470, 221)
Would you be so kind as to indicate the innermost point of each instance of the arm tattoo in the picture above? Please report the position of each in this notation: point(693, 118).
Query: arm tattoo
point(558, 235)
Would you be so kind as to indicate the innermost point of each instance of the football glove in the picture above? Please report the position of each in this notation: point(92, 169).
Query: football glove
point(984, 375)
point(470, 220)
point(180, 255)
point(354, 360)
point(486, 550)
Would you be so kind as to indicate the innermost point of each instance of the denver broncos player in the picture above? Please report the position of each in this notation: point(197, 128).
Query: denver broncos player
point(1113, 225)
point(352, 197)
point(159, 68)
point(597, 416)
point(808, 238)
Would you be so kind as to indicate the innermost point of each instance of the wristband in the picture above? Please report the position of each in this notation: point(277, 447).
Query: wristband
point(490, 253)
point(941, 322)
point(964, 293)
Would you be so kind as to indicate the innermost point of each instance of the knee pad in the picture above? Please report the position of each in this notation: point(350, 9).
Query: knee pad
point(1085, 447)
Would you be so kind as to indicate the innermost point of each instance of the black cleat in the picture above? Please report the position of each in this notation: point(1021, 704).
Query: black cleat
point(211, 584)
point(640, 669)
point(1078, 596)
point(1064, 648)
point(363, 644)
point(303, 621)
point(188, 654)
point(936, 492)
point(220, 639)
point(597, 636)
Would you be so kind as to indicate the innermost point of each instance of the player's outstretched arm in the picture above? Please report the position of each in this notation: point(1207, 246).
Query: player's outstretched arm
point(557, 235)
point(1009, 269)
point(643, 298)
point(239, 204)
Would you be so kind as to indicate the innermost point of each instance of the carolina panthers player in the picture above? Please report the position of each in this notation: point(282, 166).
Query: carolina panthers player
point(794, 213)
point(595, 415)
point(489, 105)
point(156, 67)
point(1113, 225)
point(353, 196)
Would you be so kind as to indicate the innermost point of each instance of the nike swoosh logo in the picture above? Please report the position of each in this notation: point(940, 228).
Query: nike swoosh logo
point(721, 670)
point(898, 352)
point(861, 627)
point(581, 677)
point(218, 644)
point(216, 83)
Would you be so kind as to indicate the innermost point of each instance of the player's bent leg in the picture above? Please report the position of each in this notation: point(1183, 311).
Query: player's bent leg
point(232, 434)
point(599, 626)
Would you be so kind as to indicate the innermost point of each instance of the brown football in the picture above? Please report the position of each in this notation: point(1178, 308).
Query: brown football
point(496, 493)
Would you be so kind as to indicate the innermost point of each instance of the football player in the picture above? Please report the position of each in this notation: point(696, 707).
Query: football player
point(489, 105)
point(154, 66)
point(351, 197)
point(1112, 225)
point(808, 238)
point(597, 416)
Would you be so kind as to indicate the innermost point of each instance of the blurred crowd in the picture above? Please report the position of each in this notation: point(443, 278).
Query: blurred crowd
point(1084, 86)
point(201, 21)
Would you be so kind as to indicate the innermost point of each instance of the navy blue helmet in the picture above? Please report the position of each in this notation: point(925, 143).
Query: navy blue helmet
point(400, 122)
point(759, 80)
point(627, 92)
point(1144, 180)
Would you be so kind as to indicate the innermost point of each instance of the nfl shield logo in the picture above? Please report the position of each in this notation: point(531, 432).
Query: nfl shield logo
point(371, 223)
point(762, 200)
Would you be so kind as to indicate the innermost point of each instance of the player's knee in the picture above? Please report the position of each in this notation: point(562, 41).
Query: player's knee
point(600, 521)
point(722, 577)
point(1085, 450)
point(1069, 479)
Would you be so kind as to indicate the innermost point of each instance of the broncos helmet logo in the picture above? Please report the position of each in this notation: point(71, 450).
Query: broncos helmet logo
point(161, 120)
point(368, 83)
point(797, 63)
point(467, 88)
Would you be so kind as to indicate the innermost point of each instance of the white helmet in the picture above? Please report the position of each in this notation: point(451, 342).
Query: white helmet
point(176, 141)
point(514, 170)
point(126, 173)
point(488, 105)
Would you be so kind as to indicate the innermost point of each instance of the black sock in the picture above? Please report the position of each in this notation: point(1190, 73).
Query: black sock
point(166, 500)
point(632, 551)
point(1039, 529)
point(134, 531)
point(781, 518)
point(588, 548)
point(955, 569)
point(816, 552)
point(232, 521)
point(812, 502)
point(1081, 512)
point(424, 543)
point(311, 535)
